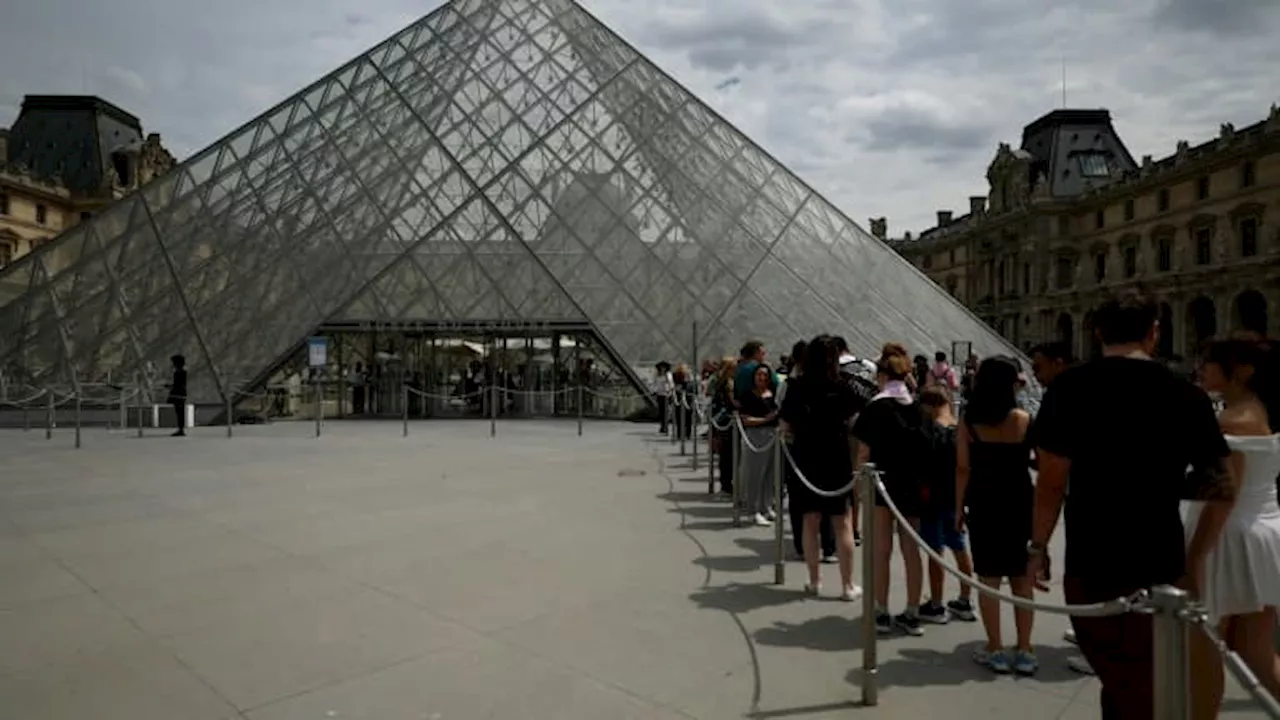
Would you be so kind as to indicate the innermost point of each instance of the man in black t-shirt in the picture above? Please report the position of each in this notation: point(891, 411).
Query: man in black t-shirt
point(1126, 430)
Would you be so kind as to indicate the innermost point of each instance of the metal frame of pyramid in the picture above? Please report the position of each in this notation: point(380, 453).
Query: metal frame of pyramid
point(496, 159)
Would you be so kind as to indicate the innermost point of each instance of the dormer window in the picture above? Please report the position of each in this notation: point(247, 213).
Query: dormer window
point(1094, 165)
point(124, 168)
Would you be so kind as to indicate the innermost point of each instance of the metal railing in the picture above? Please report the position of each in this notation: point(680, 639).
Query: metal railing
point(95, 395)
point(1175, 614)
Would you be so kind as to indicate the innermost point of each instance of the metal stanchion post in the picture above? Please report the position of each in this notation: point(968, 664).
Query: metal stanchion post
point(693, 431)
point(738, 448)
point(48, 414)
point(697, 393)
point(319, 407)
point(680, 428)
point(79, 407)
point(672, 414)
point(138, 384)
point(493, 410)
point(712, 433)
point(231, 412)
point(780, 558)
point(404, 410)
point(124, 408)
point(579, 407)
point(26, 418)
point(870, 663)
point(1172, 678)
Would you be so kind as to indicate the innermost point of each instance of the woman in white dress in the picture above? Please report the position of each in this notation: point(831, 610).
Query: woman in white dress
point(1240, 582)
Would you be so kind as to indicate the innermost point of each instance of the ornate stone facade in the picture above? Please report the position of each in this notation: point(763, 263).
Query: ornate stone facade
point(35, 207)
point(1198, 230)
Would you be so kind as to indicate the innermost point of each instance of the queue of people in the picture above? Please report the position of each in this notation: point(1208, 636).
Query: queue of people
point(1157, 487)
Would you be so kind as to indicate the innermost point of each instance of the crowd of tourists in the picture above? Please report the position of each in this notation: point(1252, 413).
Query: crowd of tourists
point(1159, 484)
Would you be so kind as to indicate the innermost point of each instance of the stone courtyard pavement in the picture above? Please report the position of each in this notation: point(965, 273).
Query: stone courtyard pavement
point(538, 574)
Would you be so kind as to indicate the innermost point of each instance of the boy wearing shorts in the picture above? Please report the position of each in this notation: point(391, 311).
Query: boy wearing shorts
point(938, 520)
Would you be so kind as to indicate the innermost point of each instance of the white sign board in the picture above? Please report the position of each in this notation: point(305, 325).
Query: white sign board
point(317, 351)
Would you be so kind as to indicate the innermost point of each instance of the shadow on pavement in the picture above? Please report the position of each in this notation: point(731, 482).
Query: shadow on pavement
point(710, 525)
point(796, 712)
point(739, 598)
point(677, 496)
point(833, 633)
point(705, 511)
point(919, 667)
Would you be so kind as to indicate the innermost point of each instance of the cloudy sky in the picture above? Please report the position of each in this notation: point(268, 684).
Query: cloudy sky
point(889, 107)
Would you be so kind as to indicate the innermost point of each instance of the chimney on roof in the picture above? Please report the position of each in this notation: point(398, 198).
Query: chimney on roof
point(977, 204)
point(880, 228)
point(944, 218)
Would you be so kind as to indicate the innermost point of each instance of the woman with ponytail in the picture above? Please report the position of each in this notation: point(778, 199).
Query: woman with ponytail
point(1240, 579)
point(894, 433)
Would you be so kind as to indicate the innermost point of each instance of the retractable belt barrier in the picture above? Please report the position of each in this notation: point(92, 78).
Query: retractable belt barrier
point(1174, 613)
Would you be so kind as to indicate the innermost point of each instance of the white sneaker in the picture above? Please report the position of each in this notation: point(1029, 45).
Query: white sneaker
point(852, 593)
point(771, 515)
point(812, 589)
point(763, 521)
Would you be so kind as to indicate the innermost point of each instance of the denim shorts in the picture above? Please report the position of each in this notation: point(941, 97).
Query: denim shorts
point(938, 528)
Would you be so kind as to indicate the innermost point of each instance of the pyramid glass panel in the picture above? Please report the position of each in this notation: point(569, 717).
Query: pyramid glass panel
point(498, 160)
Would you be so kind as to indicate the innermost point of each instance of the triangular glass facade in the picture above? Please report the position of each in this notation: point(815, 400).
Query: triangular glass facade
point(499, 159)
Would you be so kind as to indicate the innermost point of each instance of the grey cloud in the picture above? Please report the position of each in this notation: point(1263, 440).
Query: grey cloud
point(206, 68)
point(1237, 17)
point(912, 129)
point(723, 42)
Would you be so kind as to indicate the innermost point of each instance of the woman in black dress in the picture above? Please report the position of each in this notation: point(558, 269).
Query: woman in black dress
point(994, 497)
point(816, 410)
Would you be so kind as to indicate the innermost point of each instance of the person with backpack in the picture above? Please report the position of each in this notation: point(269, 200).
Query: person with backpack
point(942, 374)
point(894, 434)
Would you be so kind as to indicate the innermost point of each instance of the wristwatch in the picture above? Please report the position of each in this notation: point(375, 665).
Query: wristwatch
point(1034, 549)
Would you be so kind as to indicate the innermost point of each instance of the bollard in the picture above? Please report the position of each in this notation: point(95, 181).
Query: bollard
point(404, 410)
point(26, 419)
point(124, 409)
point(737, 472)
point(1172, 676)
point(231, 412)
point(780, 552)
point(79, 407)
point(493, 410)
point(579, 408)
point(870, 669)
point(48, 415)
point(319, 408)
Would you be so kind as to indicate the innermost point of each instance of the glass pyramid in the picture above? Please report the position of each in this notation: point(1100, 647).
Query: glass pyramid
point(498, 159)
